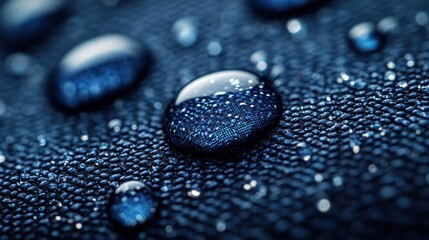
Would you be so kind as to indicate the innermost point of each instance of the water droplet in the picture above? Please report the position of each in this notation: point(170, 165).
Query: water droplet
point(2, 158)
point(365, 38)
point(402, 84)
point(410, 62)
point(337, 181)
point(318, 177)
point(115, 124)
point(23, 22)
point(132, 204)
point(388, 25)
point(194, 193)
point(279, 6)
point(324, 205)
point(372, 168)
point(296, 28)
point(422, 18)
point(220, 226)
point(78, 226)
point(259, 59)
point(391, 65)
point(185, 31)
point(98, 69)
point(221, 111)
point(304, 151)
point(390, 75)
point(214, 48)
point(19, 64)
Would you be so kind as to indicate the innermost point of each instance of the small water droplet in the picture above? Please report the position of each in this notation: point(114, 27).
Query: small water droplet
point(78, 226)
point(372, 168)
point(84, 138)
point(132, 204)
point(388, 25)
point(297, 29)
point(324, 205)
point(214, 48)
point(318, 177)
point(220, 226)
point(194, 193)
point(410, 62)
point(19, 64)
point(390, 75)
point(259, 59)
point(337, 181)
point(402, 84)
point(221, 111)
point(365, 38)
point(23, 22)
point(422, 18)
point(185, 31)
point(391, 65)
point(115, 124)
point(277, 71)
point(98, 69)
point(304, 151)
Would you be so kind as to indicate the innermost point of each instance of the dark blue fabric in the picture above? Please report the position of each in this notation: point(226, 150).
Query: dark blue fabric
point(365, 139)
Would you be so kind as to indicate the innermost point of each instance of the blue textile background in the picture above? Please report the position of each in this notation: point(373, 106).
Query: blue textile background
point(368, 137)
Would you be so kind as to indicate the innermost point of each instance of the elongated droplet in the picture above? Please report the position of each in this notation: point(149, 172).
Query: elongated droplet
point(98, 69)
point(132, 204)
point(221, 112)
point(24, 22)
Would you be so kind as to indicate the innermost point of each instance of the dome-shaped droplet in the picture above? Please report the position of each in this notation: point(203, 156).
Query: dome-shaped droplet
point(221, 112)
point(132, 204)
point(365, 38)
point(279, 6)
point(24, 22)
point(98, 69)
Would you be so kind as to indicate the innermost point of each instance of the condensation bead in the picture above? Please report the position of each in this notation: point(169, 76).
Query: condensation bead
point(221, 112)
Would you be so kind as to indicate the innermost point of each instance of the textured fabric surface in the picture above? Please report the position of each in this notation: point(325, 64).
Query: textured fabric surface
point(365, 139)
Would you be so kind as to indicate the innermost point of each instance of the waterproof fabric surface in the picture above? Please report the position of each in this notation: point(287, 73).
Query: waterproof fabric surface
point(366, 139)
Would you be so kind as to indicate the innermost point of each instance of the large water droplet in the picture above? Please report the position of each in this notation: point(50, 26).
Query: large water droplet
point(221, 112)
point(24, 22)
point(279, 6)
point(365, 38)
point(132, 204)
point(98, 69)
point(185, 31)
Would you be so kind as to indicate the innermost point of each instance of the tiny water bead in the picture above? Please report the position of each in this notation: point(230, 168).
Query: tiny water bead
point(24, 22)
point(185, 31)
point(98, 69)
point(221, 112)
point(279, 6)
point(132, 204)
point(365, 38)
